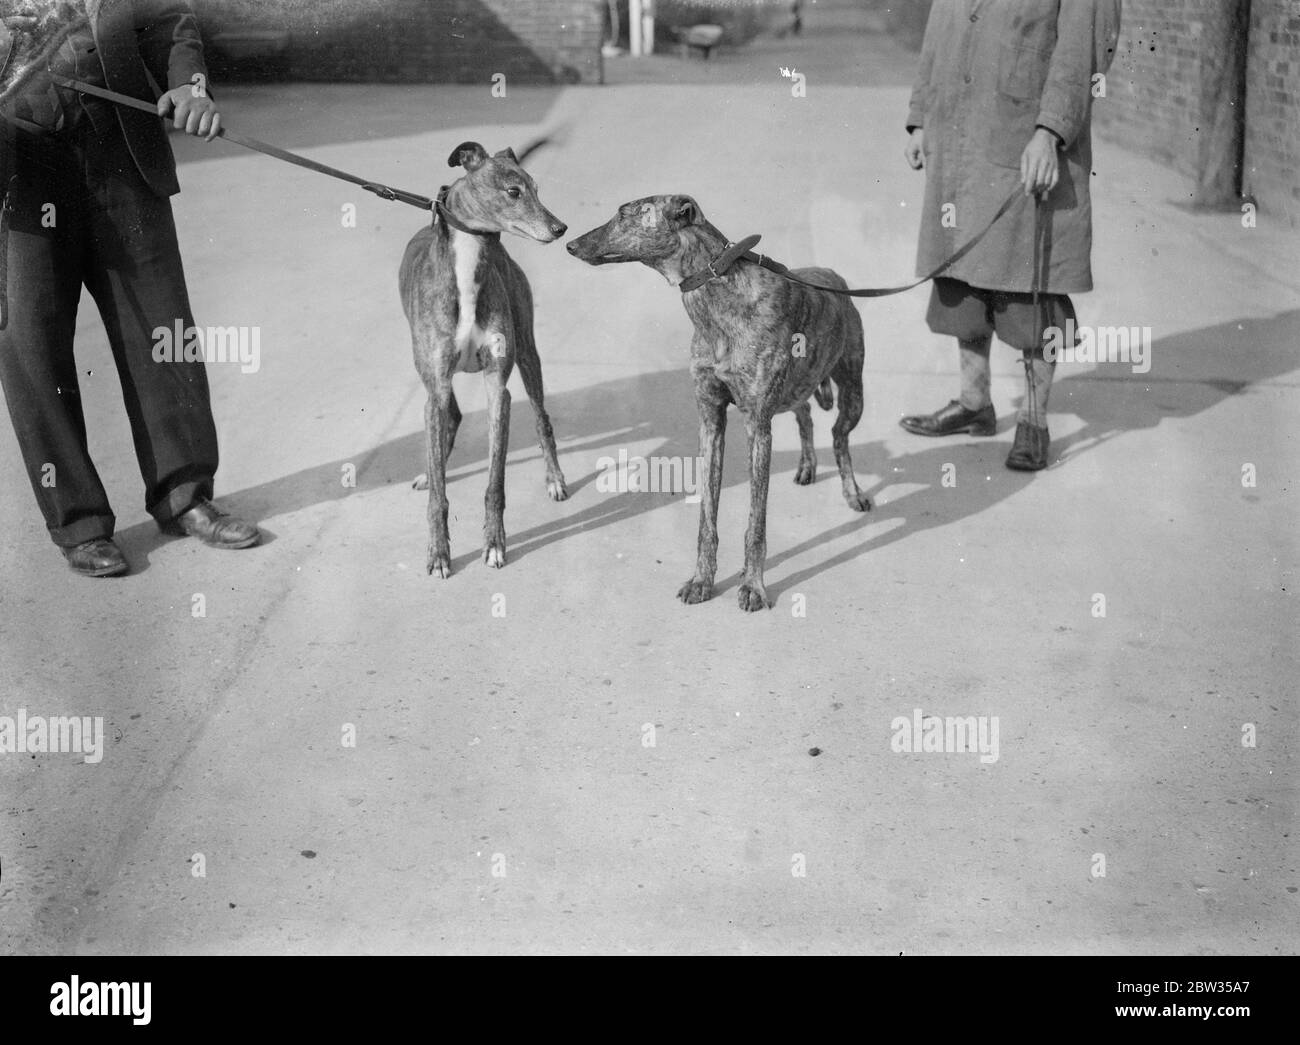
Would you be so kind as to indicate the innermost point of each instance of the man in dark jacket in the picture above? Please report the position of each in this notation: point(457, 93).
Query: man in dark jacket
point(87, 187)
point(1003, 99)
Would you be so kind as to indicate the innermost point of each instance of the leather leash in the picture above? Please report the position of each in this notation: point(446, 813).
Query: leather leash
point(1040, 317)
point(6, 217)
point(385, 192)
point(744, 250)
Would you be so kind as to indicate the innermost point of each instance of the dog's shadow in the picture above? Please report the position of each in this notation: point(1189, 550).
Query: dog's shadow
point(655, 414)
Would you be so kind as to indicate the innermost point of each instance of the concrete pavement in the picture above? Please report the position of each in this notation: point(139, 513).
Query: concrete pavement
point(601, 768)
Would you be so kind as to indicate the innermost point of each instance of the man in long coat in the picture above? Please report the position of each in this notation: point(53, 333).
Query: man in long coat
point(86, 187)
point(1003, 99)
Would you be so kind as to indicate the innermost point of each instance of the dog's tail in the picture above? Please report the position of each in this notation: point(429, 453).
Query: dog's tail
point(556, 137)
point(824, 395)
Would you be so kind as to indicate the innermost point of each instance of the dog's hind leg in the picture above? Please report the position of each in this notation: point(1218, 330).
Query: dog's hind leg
point(494, 501)
point(435, 409)
point(806, 473)
point(530, 369)
point(453, 426)
point(848, 379)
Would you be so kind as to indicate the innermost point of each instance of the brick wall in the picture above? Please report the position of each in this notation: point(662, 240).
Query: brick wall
point(424, 41)
point(1272, 170)
point(1154, 105)
point(1151, 102)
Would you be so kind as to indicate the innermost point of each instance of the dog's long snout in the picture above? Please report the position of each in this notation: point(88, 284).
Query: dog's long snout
point(587, 246)
point(558, 228)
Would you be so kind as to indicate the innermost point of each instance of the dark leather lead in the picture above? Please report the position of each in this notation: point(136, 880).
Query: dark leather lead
point(386, 192)
point(725, 260)
point(6, 210)
point(719, 265)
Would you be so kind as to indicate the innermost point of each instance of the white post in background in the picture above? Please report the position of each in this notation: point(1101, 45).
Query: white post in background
point(648, 26)
point(634, 27)
point(641, 15)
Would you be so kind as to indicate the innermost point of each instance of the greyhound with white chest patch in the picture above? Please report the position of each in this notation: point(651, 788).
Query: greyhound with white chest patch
point(471, 310)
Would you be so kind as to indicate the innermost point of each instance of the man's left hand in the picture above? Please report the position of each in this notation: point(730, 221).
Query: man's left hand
point(192, 110)
point(1040, 167)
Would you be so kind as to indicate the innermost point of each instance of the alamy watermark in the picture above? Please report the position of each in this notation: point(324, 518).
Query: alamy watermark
point(1076, 344)
point(37, 735)
point(182, 344)
point(954, 734)
point(93, 998)
point(631, 474)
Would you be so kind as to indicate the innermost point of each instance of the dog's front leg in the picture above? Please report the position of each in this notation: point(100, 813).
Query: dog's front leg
point(713, 433)
point(494, 502)
point(436, 410)
point(753, 595)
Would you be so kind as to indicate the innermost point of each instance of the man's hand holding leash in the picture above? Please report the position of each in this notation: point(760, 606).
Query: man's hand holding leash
point(912, 151)
point(1040, 167)
point(192, 110)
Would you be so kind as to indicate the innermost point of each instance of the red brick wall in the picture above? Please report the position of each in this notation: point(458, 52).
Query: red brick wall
point(1153, 103)
point(1272, 171)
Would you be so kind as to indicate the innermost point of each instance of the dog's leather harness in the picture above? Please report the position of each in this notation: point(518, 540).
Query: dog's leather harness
point(734, 252)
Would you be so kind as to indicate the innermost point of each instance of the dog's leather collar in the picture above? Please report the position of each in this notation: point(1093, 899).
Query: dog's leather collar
point(440, 211)
point(718, 266)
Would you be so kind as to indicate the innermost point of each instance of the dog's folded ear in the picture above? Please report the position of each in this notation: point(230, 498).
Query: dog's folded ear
point(470, 155)
point(508, 154)
point(683, 210)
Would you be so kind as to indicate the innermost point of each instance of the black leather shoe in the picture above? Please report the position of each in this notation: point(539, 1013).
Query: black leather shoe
point(1029, 451)
point(97, 558)
point(214, 527)
point(953, 419)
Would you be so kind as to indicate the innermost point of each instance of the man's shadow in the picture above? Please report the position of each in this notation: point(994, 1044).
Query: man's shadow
point(1190, 373)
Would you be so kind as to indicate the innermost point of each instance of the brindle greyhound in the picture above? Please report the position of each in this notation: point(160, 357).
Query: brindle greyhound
point(470, 310)
point(761, 342)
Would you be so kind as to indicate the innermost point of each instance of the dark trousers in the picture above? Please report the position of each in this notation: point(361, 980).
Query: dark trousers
point(968, 313)
point(82, 215)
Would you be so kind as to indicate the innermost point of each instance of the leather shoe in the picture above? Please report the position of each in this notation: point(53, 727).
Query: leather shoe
point(214, 527)
point(1029, 451)
point(97, 558)
point(953, 419)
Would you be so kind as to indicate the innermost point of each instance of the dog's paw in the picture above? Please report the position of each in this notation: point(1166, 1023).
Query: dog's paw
point(494, 543)
point(556, 490)
point(859, 502)
point(752, 598)
point(420, 482)
point(806, 474)
point(695, 591)
point(439, 564)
